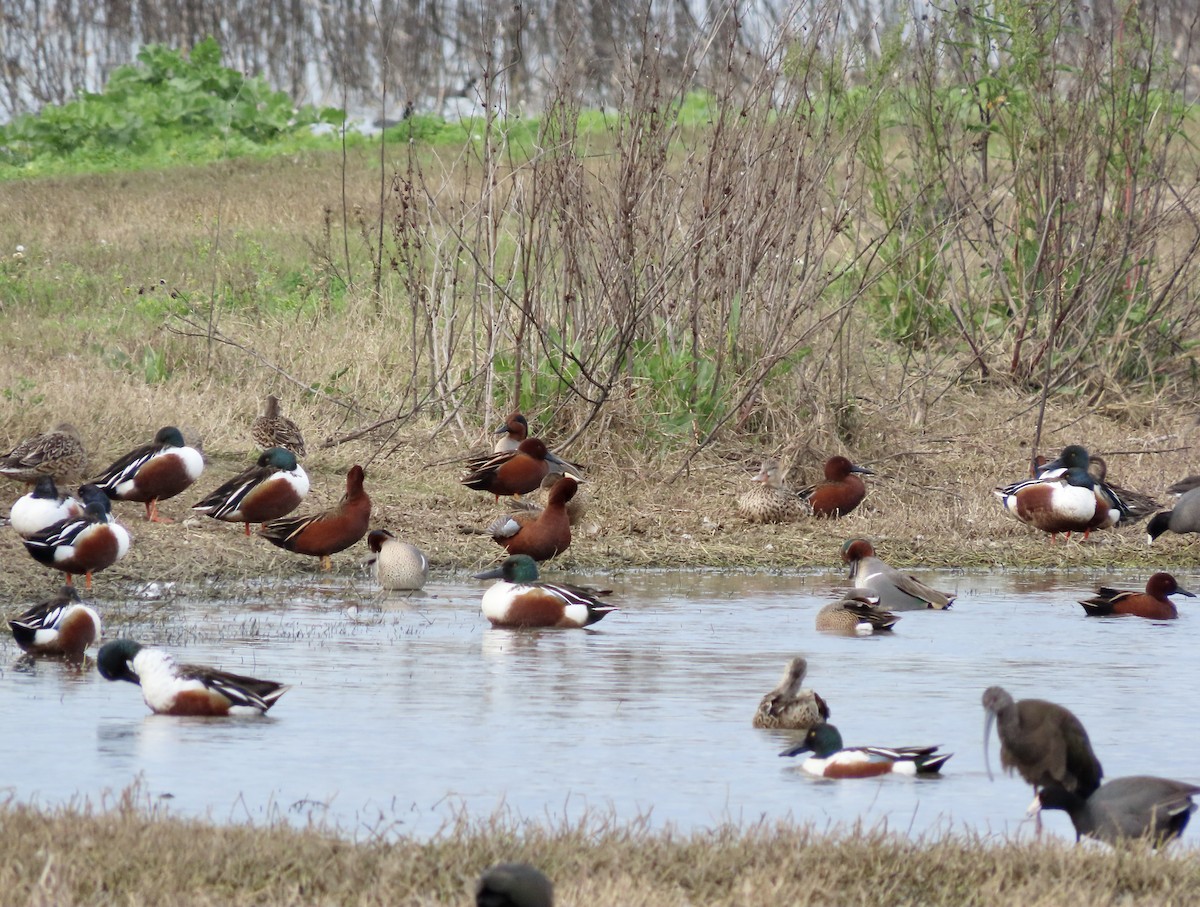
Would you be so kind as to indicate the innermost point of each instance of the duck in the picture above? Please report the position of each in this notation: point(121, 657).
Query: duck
point(896, 591)
point(1043, 741)
point(1064, 498)
point(513, 472)
point(330, 531)
point(857, 613)
point(1183, 518)
point(576, 507)
point(543, 534)
point(512, 431)
point(272, 488)
point(840, 493)
point(1133, 505)
point(769, 501)
point(42, 507)
point(1130, 808)
point(58, 453)
point(830, 759)
point(396, 565)
point(788, 707)
point(169, 688)
point(153, 472)
point(1153, 603)
point(62, 627)
point(86, 544)
point(274, 429)
point(514, 885)
point(519, 600)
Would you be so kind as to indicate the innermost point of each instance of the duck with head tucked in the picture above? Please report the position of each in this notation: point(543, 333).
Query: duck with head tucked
point(770, 501)
point(330, 531)
point(396, 565)
point(153, 472)
point(790, 707)
point(86, 544)
point(58, 453)
point(857, 613)
point(42, 507)
point(62, 627)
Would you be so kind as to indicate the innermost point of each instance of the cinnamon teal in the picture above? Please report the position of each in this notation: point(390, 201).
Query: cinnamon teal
point(330, 531)
point(1153, 603)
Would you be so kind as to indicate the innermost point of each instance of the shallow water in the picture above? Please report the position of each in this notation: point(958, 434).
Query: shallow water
point(407, 712)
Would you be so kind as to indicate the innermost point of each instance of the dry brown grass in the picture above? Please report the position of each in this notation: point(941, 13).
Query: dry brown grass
point(131, 856)
point(937, 455)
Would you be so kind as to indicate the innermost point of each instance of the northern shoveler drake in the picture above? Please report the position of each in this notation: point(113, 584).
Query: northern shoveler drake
point(1153, 603)
point(42, 507)
point(330, 531)
point(1042, 741)
point(153, 472)
point(513, 431)
point(788, 706)
point(58, 453)
point(856, 614)
point(181, 689)
point(61, 627)
point(1064, 497)
point(769, 501)
point(514, 885)
point(897, 591)
point(274, 429)
point(394, 564)
point(541, 535)
point(841, 491)
point(513, 472)
point(1184, 518)
point(271, 488)
point(87, 544)
point(520, 601)
point(1140, 806)
point(830, 759)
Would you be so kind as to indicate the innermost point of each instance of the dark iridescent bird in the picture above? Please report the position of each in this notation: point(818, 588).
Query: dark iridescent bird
point(274, 429)
point(520, 600)
point(770, 501)
point(1134, 505)
point(790, 707)
point(897, 591)
point(1183, 518)
point(153, 472)
point(169, 688)
point(272, 488)
point(514, 885)
point(841, 491)
point(542, 534)
point(58, 453)
point(513, 472)
point(1042, 741)
point(1152, 604)
point(830, 759)
point(1140, 806)
point(330, 531)
point(62, 627)
point(857, 613)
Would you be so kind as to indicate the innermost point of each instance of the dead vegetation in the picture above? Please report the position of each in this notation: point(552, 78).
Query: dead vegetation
point(130, 855)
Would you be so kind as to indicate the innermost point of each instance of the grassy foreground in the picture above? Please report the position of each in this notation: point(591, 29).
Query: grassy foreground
point(124, 856)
